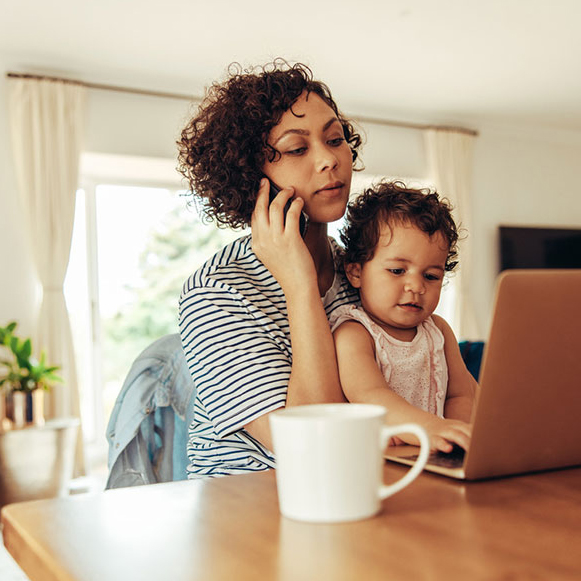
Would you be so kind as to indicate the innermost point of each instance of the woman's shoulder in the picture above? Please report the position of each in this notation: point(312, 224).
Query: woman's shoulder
point(236, 254)
point(234, 261)
point(235, 280)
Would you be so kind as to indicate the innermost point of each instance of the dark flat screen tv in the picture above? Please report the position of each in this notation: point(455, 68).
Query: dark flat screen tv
point(537, 247)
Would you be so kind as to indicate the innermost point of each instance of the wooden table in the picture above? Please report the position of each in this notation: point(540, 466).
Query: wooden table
point(525, 527)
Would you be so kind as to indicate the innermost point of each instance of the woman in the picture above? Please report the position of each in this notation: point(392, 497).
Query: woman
point(253, 319)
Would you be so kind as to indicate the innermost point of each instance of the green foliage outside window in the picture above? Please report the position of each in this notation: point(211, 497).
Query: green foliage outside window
point(175, 249)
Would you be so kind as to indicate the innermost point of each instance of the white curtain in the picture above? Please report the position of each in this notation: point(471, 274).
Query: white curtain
point(47, 118)
point(449, 154)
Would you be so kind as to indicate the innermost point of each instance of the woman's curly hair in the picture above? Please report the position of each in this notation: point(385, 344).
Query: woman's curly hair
point(393, 203)
point(224, 147)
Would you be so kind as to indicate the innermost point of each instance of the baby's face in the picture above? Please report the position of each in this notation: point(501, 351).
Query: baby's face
point(400, 286)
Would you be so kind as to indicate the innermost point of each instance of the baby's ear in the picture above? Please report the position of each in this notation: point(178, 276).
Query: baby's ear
point(353, 272)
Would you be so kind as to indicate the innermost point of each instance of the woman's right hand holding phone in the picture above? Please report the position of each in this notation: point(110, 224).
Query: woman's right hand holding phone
point(276, 239)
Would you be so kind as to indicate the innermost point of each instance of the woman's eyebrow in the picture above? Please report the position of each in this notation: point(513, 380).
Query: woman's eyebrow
point(304, 131)
point(330, 122)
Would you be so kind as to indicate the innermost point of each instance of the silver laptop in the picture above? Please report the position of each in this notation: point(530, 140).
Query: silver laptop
point(527, 415)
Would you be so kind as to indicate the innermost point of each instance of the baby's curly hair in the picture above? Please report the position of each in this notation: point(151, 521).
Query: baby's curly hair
point(394, 203)
point(224, 147)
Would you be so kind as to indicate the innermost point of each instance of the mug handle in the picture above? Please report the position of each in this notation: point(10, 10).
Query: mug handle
point(386, 433)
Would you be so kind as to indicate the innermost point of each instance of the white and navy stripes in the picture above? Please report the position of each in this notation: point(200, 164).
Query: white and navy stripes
point(235, 334)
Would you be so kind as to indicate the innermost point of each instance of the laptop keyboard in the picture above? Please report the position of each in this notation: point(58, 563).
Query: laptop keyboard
point(453, 459)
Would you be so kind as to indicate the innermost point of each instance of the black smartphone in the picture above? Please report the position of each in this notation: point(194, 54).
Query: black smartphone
point(303, 220)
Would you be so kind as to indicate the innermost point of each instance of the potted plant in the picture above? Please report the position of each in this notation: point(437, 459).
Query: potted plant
point(35, 462)
point(24, 377)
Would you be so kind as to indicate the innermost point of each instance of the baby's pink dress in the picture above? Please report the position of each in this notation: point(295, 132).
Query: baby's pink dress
point(415, 369)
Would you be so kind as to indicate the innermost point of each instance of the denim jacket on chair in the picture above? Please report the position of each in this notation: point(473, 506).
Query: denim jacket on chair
point(147, 430)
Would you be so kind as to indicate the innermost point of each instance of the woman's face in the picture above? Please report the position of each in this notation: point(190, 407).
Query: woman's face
point(314, 158)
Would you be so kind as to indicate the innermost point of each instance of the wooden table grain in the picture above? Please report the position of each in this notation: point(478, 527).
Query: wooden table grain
point(523, 527)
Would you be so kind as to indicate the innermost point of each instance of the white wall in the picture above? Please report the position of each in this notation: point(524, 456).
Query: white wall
point(521, 176)
point(128, 124)
point(393, 151)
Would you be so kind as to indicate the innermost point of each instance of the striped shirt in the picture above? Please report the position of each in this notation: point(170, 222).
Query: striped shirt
point(235, 334)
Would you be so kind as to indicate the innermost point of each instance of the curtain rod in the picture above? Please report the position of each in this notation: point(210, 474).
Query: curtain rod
point(410, 125)
point(192, 98)
point(103, 87)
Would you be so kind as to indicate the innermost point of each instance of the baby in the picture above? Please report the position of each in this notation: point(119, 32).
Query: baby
point(392, 350)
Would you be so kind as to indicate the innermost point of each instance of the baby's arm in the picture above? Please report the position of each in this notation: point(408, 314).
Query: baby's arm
point(363, 382)
point(461, 384)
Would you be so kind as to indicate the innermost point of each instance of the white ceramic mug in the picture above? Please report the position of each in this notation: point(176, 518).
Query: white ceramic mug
point(329, 460)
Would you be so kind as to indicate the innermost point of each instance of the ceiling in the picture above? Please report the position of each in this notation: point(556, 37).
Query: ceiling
point(461, 62)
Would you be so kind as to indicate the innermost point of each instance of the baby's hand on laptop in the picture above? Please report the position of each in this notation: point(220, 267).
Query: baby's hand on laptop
point(444, 433)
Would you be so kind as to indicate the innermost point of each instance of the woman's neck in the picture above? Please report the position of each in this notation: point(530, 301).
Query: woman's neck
point(317, 242)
